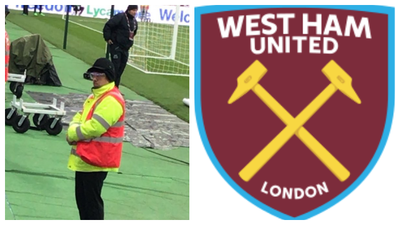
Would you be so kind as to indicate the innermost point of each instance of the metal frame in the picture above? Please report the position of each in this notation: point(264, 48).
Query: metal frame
point(13, 77)
point(39, 108)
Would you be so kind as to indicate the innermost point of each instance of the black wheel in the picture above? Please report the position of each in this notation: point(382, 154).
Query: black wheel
point(10, 116)
point(23, 127)
point(18, 91)
point(12, 86)
point(53, 130)
point(40, 124)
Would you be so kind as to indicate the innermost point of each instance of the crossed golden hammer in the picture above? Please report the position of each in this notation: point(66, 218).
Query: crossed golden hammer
point(339, 79)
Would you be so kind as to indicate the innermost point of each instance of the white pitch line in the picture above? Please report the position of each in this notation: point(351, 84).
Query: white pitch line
point(85, 26)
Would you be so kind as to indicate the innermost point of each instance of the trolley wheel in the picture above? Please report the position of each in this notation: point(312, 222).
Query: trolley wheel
point(18, 91)
point(10, 118)
point(53, 130)
point(40, 124)
point(12, 86)
point(24, 126)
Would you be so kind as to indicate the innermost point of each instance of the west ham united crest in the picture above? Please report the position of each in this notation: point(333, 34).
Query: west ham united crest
point(294, 104)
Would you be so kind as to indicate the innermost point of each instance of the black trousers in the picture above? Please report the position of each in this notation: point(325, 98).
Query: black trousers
point(25, 9)
point(39, 7)
point(88, 187)
point(119, 58)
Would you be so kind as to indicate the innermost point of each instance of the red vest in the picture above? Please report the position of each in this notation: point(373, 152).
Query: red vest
point(106, 150)
point(7, 54)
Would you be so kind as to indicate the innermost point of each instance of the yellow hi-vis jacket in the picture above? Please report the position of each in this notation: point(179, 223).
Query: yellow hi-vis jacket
point(109, 111)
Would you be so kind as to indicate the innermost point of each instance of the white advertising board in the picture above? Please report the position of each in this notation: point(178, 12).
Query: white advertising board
point(164, 14)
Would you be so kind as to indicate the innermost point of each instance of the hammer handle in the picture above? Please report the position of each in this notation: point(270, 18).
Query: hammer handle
point(306, 137)
point(323, 155)
point(269, 151)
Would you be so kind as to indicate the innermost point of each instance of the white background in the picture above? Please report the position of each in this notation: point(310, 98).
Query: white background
point(213, 201)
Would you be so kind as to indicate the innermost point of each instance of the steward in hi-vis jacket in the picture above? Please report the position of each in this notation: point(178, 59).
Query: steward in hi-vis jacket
point(96, 134)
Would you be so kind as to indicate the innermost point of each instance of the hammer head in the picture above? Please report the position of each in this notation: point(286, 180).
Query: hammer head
point(338, 77)
point(247, 80)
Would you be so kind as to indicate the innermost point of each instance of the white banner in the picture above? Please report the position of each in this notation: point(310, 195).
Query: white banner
point(165, 14)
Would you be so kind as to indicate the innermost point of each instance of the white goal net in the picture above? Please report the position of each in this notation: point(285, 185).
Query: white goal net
point(161, 48)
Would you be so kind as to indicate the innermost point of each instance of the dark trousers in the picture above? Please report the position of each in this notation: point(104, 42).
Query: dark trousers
point(39, 7)
point(119, 59)
point(88, 187)
point(25, 9)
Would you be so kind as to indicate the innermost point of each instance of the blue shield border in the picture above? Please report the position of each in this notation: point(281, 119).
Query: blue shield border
point(389, 116)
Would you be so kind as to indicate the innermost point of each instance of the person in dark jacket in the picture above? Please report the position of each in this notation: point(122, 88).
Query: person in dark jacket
point(119, 33)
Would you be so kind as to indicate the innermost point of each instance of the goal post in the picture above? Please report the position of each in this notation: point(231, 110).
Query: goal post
point(175, 34)
point(161, 48)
